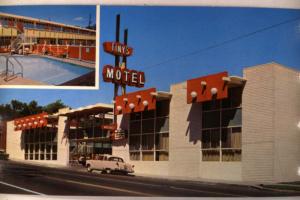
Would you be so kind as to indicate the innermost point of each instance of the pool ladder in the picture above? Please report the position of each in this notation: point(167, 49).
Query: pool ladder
point(9, 72)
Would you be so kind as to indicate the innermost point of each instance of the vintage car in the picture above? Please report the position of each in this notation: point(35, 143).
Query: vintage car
point(108, 164)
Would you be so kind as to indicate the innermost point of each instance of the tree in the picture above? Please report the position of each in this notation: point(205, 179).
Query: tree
point(16, 109)
point(54, 107)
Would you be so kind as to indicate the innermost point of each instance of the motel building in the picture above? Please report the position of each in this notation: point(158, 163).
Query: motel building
point(22, 35)
point(214, 127)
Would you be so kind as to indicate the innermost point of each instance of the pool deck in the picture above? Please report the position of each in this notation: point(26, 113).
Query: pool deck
point(20, 81)
point(86, 64)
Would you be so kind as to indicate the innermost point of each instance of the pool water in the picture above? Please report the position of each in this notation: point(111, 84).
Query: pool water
point(46, 70)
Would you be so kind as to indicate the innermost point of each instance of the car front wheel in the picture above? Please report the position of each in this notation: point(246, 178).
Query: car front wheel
point(89, 169)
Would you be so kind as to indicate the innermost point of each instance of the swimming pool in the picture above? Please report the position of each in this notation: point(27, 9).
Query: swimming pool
point(46, 70)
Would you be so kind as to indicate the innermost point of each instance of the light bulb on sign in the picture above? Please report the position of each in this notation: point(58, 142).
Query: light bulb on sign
point(214, 91)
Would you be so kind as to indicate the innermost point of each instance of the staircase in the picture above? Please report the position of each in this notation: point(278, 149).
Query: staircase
point(17, 43)
point(20, 41)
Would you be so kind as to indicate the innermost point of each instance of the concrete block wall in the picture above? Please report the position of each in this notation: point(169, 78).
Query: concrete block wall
point(258, 124)
point(14, 143)
point(271, 138)
point(184, 136)
point(287, 116)
point(62, 142)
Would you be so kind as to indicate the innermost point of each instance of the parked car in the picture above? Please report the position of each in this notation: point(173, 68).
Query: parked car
point(108, 164)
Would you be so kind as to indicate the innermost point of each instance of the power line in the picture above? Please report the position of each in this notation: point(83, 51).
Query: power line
point(222, 43)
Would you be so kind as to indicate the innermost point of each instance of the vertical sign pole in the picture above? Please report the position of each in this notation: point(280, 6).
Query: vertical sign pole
point(117, 59)
point(125, 59)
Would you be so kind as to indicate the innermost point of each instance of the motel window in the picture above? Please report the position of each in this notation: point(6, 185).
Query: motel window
point(149, 134)
point(222, 128)
point(40, 143)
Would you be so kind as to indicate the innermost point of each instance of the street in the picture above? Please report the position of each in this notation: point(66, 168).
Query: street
point(17, 178)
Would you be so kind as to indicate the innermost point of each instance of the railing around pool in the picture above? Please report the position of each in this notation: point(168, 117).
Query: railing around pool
point(9, 71)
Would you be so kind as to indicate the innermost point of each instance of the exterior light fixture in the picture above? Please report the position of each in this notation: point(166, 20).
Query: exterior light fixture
point(32, 118)
point(125, 99)
point(119, 108)
point(193, 94)
point(42, 121)
point(138, 96)
point(131, 106)
point(24, 124)
point(22, 120)
point(226, 79)
point(29, 123)
point(145, 103)
point(214, 91)
point(19, 125)
point(153, 94)
point(203, 83)
point(35, 122)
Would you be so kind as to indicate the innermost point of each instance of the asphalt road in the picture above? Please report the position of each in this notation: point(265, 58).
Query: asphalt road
point(17, 178)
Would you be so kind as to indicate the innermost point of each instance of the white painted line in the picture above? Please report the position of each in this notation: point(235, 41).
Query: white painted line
point(101, 186)
point(20, 188)
point(110, 179)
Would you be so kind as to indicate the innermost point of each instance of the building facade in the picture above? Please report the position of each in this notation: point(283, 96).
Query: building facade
point(33, 35)
point(216, 127)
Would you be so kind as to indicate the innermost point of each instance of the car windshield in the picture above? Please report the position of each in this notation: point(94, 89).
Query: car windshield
point(115, 159)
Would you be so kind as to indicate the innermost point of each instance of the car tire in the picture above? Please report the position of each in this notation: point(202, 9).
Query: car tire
point(89, 169)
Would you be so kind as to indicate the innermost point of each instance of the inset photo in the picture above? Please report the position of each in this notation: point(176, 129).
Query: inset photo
point(47, 45)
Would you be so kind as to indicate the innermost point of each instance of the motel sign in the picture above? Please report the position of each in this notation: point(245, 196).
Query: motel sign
point(116, 48)
point(123, 76)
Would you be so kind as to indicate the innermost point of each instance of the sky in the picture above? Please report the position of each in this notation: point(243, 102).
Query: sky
point(72, 15)
point(174, 44)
